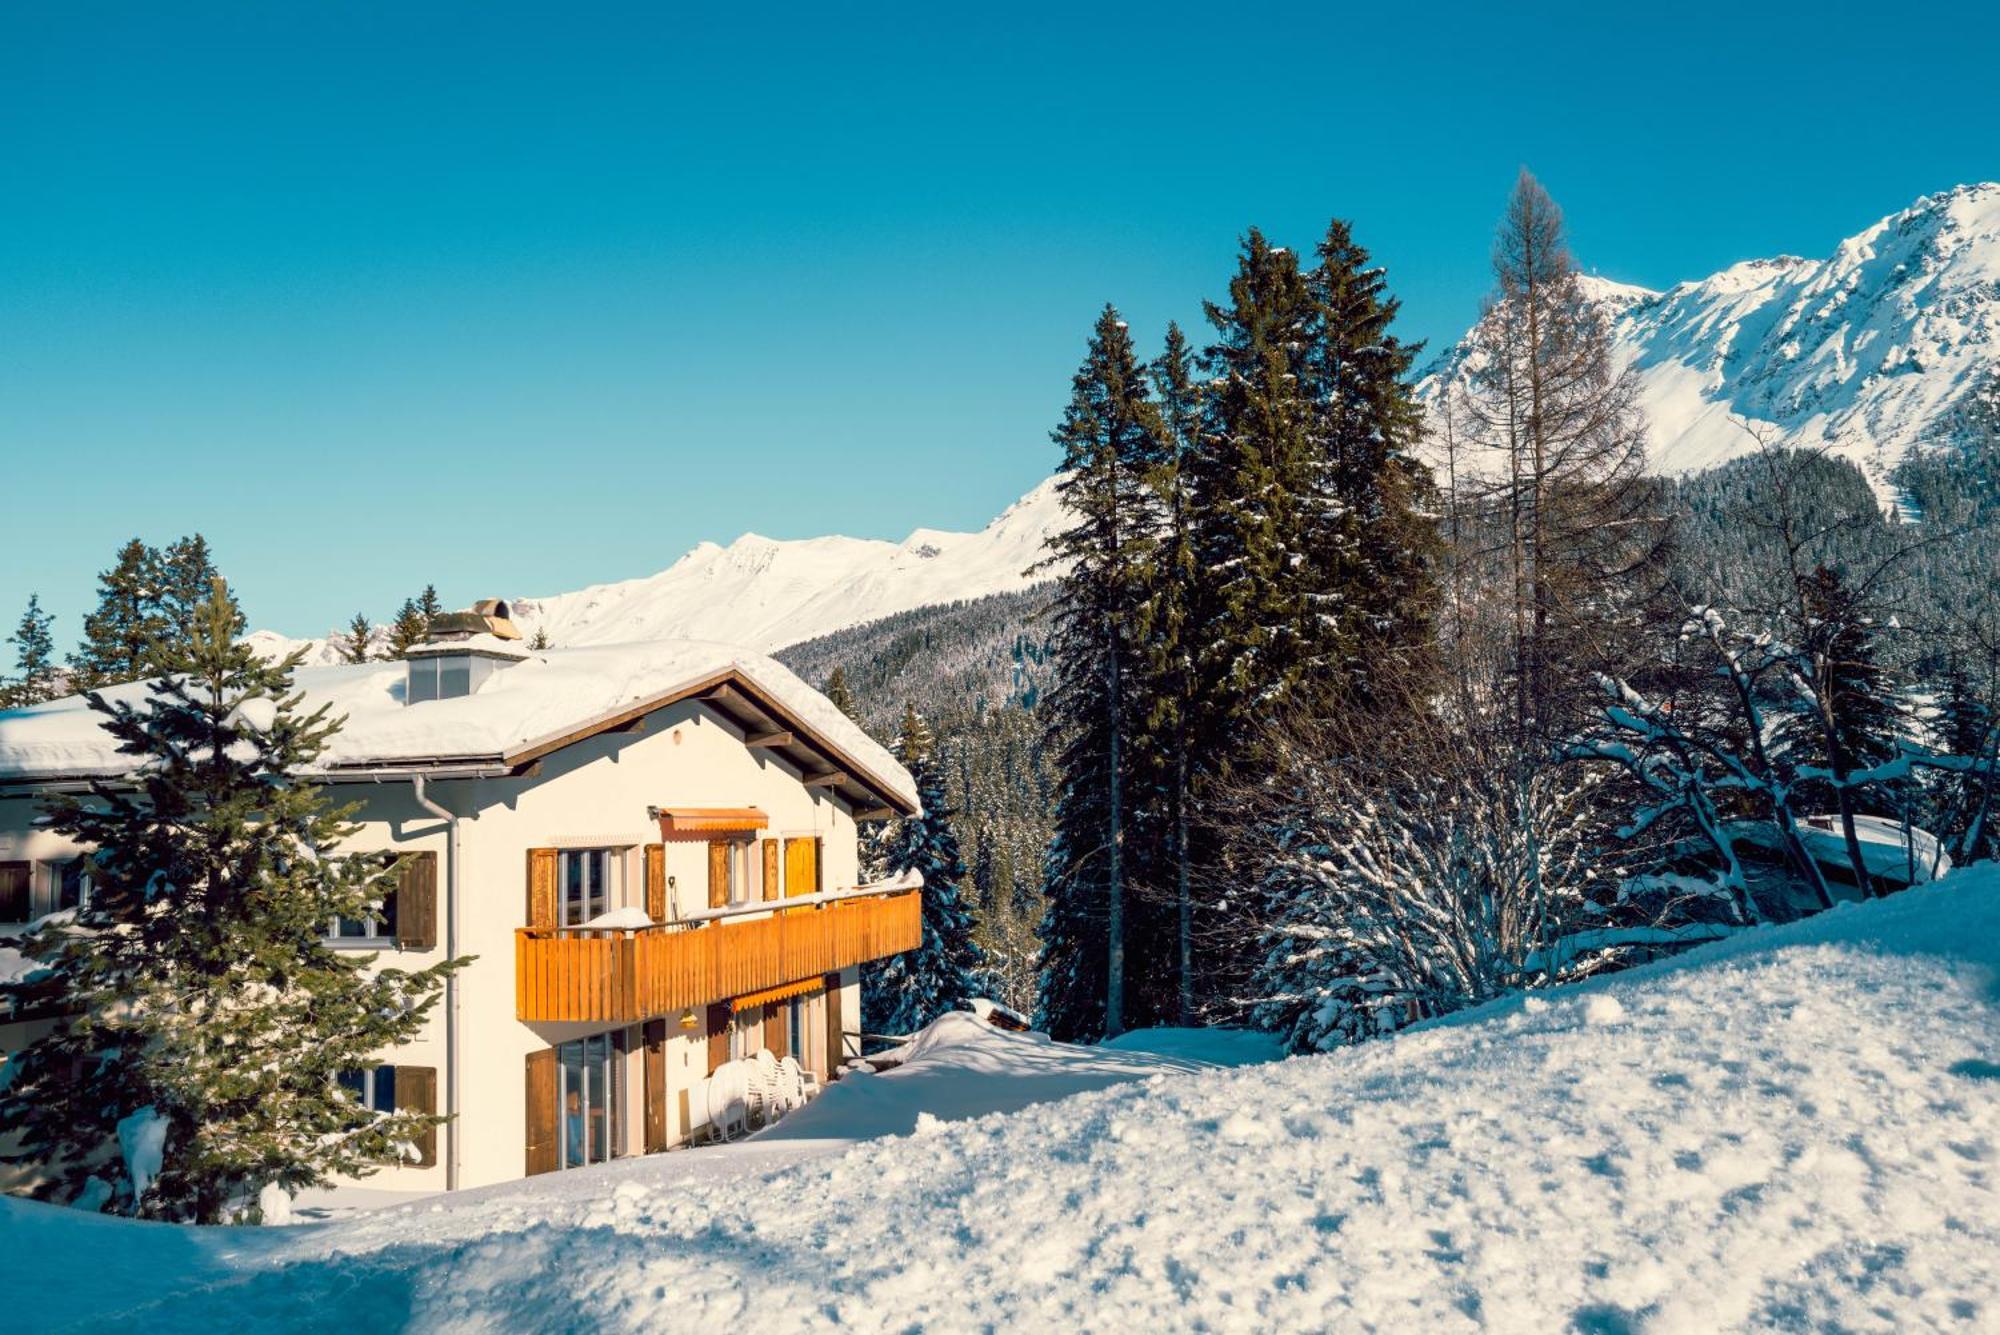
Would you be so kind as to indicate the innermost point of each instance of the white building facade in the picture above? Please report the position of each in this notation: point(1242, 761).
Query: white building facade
point(610, 834)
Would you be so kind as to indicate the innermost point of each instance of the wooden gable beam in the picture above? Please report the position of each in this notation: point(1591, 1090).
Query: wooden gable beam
point(769, 739)
point(833, 778)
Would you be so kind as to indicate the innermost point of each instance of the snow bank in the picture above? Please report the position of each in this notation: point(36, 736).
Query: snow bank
point(523, 705)
point(1797, 1127)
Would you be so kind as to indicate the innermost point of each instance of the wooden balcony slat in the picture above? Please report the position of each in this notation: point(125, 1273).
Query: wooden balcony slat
point(623, 976)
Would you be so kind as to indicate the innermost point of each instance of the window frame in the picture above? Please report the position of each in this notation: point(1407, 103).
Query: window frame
point(610, 889)
point(370, 1080)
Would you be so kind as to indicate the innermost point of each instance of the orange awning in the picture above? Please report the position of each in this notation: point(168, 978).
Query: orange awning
point(771, 994)
point(707, 822)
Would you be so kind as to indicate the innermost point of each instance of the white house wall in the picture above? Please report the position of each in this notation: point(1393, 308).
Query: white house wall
point(596, 789)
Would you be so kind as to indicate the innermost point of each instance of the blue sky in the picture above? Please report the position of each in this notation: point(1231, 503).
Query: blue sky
point(515, 298)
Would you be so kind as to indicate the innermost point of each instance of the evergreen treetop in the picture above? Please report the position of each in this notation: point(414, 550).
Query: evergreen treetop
point(35, 677)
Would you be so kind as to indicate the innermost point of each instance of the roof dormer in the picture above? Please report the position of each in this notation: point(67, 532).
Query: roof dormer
point(463, 651)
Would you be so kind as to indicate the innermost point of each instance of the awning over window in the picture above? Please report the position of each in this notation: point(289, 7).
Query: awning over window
point(774, 994)
point(708, 822)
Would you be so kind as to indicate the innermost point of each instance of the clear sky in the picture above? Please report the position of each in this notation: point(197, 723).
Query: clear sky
point(516, 298)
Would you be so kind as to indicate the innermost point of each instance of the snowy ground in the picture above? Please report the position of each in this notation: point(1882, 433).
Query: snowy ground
point(1798, 1128)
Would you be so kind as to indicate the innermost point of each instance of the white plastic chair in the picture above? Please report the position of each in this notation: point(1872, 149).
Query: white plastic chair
point(769, 1091)
point(791, 1083)
point(729, 1100)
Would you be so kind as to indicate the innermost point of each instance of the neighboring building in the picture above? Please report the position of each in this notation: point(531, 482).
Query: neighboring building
point(665, 792)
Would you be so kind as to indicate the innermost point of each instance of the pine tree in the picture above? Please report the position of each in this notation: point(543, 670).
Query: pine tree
point(197, 991)
point(410, 629)
point(126, 635)
point(1112, 444)
point(35, 677)
point(360, 640)
point(903, 993)
point(540, 640)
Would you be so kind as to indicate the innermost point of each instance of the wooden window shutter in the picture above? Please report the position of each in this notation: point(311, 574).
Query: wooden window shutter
point(417, 902)
point(775, 1016)
point(801, 867)
point(541, 887)
point(417, 1092)
point(771, 882)
point(656, 1085)
point(718, 1035)
point(718, 873)
point(14, 877)
point(836, 1030)
point(541, 1136)
point(656, 882)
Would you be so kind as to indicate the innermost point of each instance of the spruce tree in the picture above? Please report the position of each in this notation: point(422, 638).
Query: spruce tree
point(1370, 531)
point(840, 696)
point(35, 678)
point(540, 640)
point(1112, 443)
point(360, 640)
point(903, 993)
point(410, 629)
point(197, 991)
point(186, 573)
point(128, 633)
point(429, 606)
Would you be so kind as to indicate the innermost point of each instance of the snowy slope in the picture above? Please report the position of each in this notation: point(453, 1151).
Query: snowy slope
point(764, 594)
point(1798, 1128)
point(1865, 352)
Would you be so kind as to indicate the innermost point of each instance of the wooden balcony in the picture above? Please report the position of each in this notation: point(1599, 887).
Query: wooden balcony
point(623, 975)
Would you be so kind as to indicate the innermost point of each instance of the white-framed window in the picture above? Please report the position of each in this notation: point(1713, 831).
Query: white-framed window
point(590, 1091)
point(72, 884)
point(588, 879)
point(378, 925)
point(439, 677)
point(374, 1088)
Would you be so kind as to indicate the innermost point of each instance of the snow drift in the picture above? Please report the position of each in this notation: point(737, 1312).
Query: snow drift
point(1798, 1128)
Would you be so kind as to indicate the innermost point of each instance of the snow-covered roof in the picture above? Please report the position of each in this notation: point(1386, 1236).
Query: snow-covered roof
point(528, 709)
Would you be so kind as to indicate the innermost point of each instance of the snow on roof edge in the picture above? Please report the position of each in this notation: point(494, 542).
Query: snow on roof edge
point(523, 708)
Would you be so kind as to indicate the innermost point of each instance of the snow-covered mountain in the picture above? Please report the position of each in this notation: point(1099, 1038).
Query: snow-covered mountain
point(1866, 352)
point(764, 593)
point(1870, 352)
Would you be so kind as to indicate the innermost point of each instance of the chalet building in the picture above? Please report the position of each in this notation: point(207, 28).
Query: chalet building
point(610, 831)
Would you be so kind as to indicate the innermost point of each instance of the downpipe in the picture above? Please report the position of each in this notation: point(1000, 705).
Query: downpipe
point(420, 790)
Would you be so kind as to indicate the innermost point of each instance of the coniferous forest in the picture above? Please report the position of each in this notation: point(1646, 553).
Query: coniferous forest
point(1341, 710)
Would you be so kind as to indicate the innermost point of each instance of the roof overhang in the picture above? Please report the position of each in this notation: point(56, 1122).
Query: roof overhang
point(730, 695)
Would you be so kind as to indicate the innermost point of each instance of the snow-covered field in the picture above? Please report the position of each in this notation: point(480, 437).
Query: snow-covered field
point(1798, 1128)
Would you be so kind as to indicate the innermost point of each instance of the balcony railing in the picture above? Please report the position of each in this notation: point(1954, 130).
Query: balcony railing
point(619, 975)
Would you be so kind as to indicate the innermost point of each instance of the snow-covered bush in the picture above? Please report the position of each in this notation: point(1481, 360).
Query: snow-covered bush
point(1429, 873)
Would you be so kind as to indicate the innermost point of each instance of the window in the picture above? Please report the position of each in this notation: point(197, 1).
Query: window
point(796, 1030)
point(72, 884)
point(588, 1094)
point(377, 926)
point(585, 877)
point(439, 677)
point(372, 1089)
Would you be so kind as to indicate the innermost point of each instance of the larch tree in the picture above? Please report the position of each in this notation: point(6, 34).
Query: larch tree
point(200, 1003)
point(1557, 422)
